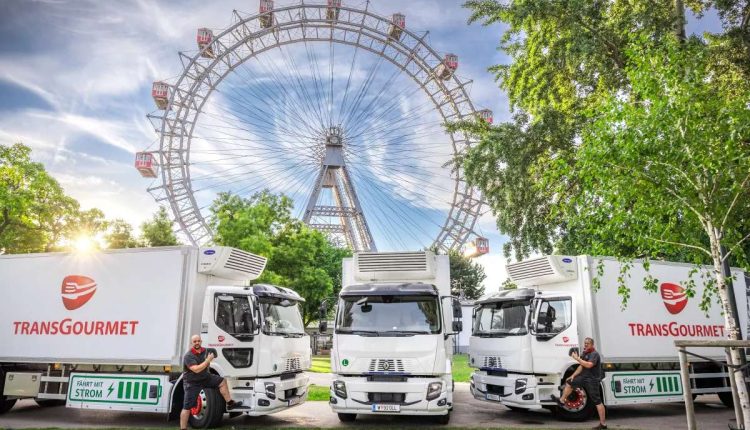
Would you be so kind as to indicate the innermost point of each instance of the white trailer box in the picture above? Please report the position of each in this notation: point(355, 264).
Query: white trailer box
point(108, 330)
point(521, 339)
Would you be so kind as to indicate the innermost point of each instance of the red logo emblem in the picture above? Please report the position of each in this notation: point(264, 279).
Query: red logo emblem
point(77, 290)
point(221, 338)
point(565, 339)
point(674, 296)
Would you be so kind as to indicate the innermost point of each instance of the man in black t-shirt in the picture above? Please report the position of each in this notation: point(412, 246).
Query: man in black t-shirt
point(197, 377)
point(587, 376)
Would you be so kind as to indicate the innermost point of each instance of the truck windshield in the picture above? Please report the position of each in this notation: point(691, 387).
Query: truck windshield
point(281, 317)
point(501, 319)
point(388, 315)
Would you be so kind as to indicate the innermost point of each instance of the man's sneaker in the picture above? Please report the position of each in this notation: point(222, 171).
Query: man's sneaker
point(600, 427)
point(557, 399)
point(233, 405)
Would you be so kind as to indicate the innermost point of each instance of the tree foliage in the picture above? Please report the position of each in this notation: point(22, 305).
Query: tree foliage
point(119, 235)
point(35, 213)
point(158, 230)
point(298, 257)
point(466, 277)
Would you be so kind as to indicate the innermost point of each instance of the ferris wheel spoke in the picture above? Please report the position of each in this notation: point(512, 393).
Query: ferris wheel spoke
point(267, 173)
point(361, 92)
point(376, 173)
point(369, 109)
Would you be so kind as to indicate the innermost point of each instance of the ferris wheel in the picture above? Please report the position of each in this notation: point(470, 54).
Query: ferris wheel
point(333, 105)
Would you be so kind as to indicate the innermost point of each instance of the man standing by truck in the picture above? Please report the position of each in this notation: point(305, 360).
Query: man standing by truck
point(197, 377)
point(587, 376)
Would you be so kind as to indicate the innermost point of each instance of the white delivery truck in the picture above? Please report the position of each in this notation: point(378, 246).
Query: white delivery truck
point(393, 337)
point(108, 330)
point(522, 338)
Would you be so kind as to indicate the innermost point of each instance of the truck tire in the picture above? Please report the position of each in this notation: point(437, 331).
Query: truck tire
point(577, 407)
point(209, 411)
point(726, 398)
point(6, 404)
point(347, 418)
point(443, 419)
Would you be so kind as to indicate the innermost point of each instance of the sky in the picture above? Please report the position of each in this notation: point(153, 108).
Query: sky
point(75, 81)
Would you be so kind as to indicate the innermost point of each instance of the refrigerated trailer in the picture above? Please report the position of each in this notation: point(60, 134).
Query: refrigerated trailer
point(108, 330)
point(393, 337)
point(522, 338)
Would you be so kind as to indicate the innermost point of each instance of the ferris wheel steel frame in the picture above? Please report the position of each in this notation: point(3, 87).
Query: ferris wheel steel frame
point(299, 23)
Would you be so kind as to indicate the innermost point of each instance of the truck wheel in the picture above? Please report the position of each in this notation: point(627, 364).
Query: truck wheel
point(443, 419)
point(577, 407)
point(49, 403)
point(347, 418)
point(726, 398)
point(6, 404)
point(209, 411)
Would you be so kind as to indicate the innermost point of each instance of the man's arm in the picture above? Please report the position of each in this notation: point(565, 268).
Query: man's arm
point(582, 362)
point(577, 372)
point(198, 368)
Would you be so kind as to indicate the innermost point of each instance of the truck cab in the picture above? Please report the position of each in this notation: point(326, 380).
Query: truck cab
point(393, 337)
point(260, 345)
point(520, 343)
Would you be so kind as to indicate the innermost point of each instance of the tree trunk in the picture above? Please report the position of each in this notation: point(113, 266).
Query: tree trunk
point(731, 324)
point(679, 20)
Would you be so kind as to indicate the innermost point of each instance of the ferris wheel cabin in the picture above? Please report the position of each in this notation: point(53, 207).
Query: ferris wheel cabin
point(479, 246)
point(486, 115)
point(398, 23)
point(266, 11)
point(160, 93)
point(205, 38)
point(446, 68)
point(333, 9)
point(145, 164)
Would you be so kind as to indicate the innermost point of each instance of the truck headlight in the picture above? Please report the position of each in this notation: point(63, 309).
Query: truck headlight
point(339, 388)
point(520, 385)
point(433, 390)
point(238, 357)
point(270, 389)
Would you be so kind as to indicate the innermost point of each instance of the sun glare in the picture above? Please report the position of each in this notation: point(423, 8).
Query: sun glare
point(84, 244)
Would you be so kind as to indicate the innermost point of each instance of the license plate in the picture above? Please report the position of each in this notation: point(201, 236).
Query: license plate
point(386, 408)
point(293, 401)
point(495, 397)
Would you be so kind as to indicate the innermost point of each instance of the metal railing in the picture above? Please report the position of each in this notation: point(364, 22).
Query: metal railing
point(682, 346)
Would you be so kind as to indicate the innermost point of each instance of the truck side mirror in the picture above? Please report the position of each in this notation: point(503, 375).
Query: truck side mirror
point(323, 326)
point(457, 311)
point(458, 326)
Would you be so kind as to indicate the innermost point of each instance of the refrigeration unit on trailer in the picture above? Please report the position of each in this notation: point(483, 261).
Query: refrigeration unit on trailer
point(522, 339)
point(393, 336)
point(108, 330)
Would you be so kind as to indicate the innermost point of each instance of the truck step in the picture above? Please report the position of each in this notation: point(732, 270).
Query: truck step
point(52, 396)
point(61, 379)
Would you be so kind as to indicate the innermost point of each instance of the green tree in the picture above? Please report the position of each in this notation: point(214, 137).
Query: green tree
point(158, 231)
point(298, 257)
point(120, 235)
point(466, 276)
point(35, 213)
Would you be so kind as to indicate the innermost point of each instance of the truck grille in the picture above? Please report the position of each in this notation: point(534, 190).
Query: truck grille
point(386, 365)
point(386, 397)
point(492, 361)
point(292, 364)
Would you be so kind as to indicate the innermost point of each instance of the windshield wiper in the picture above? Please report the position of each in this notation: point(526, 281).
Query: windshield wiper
point(406, 332)
point(361, 332)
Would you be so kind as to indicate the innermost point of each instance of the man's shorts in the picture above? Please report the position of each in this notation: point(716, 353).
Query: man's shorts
point(192, 390)
point(591, 386)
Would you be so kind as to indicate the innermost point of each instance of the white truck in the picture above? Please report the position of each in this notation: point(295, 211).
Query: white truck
point(108, 330)
point(393, 337)
point(522, 338)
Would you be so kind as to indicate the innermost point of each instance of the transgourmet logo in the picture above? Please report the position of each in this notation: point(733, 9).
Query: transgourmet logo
point(77, 290)
point(674, 296)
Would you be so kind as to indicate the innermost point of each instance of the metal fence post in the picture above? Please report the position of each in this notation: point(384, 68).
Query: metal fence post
point(687, 389)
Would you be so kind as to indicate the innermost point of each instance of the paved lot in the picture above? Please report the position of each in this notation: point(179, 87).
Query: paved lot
point(467, 413)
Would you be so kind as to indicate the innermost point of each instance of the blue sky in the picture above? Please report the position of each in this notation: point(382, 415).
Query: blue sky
point(75, 79)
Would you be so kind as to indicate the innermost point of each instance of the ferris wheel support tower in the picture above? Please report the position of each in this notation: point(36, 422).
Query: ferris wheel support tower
point(334, 176)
